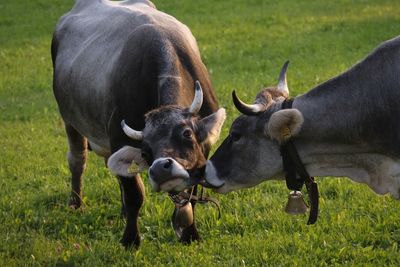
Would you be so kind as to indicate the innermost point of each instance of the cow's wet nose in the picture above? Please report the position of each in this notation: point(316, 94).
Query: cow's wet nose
point(161, 170)
point(166, 174)
point(168, 164)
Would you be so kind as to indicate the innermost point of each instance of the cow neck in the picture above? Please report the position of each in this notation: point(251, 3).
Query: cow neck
point(296, 174)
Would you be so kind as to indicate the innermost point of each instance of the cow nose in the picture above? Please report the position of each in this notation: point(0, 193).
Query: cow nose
point(161, 170)
point(168, 164)
point(151, 172)
point(166, 174)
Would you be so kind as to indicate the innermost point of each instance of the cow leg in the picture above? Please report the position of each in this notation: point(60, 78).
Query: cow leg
point(190, 233)
point(123, 209)
point(77, 154)
point(132, 199)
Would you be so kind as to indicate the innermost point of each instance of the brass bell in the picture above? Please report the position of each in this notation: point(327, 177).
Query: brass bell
point(182, 218)
point(295, 204)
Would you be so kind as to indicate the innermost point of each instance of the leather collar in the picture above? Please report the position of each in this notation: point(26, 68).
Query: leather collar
point(296, 174)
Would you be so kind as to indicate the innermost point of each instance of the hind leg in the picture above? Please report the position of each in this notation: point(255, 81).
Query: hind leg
point(77, 154)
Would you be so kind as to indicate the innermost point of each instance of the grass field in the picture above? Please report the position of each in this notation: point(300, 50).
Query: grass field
point(244, 44)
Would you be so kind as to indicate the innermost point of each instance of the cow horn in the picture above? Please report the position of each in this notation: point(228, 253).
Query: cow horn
point(135, 135)
point(198, 99)
point(282, 82)
point(247, 109)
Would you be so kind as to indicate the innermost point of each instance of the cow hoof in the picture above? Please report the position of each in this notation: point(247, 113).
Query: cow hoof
point(190, 234)
point(74, 202)
point(130, 243)
point(183, 223)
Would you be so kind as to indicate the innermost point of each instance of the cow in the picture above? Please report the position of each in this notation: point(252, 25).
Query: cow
point(347, 126)
point(124, 65)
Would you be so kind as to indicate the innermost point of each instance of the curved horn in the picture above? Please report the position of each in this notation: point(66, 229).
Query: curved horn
point(198, 99)
point(282, 83)
point(247, 109)
point(135, 135)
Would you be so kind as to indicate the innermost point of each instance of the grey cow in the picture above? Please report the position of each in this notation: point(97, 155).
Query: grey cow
point(125, 61)
point(348, 126)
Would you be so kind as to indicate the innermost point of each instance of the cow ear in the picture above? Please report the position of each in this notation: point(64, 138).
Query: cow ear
point(211, 126)
point(127, 162)
point(284, 124)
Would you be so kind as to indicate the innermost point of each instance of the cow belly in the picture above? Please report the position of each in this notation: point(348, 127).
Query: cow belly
point(87, 122)
point(102, 151)
point(380, 172)
point(387, 177)
point(83, 105)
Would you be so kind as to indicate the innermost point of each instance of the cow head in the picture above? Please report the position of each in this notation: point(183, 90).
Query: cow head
point(175, 142)
point(251, 154)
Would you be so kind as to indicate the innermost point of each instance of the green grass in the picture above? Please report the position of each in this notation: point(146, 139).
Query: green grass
point(244, 44)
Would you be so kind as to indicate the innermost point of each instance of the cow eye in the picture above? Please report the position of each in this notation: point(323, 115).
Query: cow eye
point(187, 133)
point(235, 136)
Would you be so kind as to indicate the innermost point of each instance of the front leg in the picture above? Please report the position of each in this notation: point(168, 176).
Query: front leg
point(183, 221)
point(132, 197)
